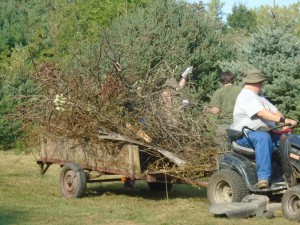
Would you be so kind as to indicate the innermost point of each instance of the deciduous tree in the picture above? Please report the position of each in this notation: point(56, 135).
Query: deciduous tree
point(242, 18)
point(280, 16)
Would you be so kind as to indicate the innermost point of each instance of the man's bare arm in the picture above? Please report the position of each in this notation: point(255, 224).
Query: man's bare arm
point(275, 117)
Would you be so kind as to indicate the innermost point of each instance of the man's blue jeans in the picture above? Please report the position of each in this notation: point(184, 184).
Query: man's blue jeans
point(263, 144)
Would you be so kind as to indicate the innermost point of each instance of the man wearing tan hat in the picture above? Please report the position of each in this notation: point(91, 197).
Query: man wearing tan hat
point(255, 111)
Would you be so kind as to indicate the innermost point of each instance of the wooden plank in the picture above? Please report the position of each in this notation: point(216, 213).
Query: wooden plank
point(171, 156)
point(134, 161)
point(105, 154)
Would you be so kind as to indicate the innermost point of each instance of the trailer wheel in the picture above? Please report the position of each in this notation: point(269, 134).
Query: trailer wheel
point(226, 186)
point(72, 181)
point(157, 186)
point(291, 204)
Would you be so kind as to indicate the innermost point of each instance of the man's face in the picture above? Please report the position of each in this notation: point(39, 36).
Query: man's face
point(260, 86)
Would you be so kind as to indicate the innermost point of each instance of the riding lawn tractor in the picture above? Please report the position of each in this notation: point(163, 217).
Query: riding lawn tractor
point(232, 192)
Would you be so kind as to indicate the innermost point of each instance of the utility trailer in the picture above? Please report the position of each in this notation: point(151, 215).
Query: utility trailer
point(116, 158)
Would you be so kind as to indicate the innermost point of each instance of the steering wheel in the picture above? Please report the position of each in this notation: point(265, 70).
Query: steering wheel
point(285, 131)
point(273, 129)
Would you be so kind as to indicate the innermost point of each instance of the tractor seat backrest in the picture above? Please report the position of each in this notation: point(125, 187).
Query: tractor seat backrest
point(233, 135)
point(248, 152)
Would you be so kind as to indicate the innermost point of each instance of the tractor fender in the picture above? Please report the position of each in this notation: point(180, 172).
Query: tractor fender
point(287, 146)
point(294, 140)
point(243, 166)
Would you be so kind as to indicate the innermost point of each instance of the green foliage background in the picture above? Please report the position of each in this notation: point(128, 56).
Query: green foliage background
point(169, 36)
point(146, 37)
point(242, 18)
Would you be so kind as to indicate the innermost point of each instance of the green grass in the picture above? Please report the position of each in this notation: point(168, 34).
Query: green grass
point(26, 197)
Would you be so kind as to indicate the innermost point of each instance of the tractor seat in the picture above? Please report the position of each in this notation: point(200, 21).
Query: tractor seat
point(233, 135)
point(249, 152)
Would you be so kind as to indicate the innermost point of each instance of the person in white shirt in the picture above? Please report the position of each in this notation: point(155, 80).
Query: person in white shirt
point(255, 112)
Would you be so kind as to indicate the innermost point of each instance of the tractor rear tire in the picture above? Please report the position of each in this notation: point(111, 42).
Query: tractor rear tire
point(226, 186)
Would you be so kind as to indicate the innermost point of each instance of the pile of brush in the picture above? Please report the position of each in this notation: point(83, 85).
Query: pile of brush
point(86, 107)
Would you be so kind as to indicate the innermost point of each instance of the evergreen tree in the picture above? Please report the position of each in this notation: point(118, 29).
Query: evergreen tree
point(11, 24)
point(170, 35)
point(78, 23)
point(14, 86)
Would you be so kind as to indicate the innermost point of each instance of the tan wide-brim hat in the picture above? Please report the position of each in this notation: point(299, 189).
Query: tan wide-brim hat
point(254, 76)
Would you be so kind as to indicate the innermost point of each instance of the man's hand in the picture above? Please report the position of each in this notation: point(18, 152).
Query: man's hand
point(187, 71)
point(293, 122)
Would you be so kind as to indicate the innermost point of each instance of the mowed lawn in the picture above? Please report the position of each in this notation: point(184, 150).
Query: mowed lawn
point(26, 197)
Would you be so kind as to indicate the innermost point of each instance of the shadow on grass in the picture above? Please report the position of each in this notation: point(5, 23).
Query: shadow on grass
point(10, 216)
point(141, 189)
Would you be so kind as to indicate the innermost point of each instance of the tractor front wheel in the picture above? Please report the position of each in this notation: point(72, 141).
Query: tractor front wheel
point(291, 204)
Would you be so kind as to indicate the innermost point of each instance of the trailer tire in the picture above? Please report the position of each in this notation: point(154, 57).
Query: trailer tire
point(291, 204)
point(72, 181)
point(159, 187)
point(226, 186)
